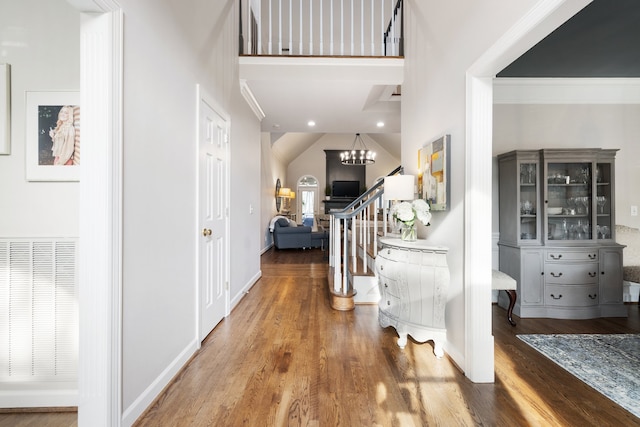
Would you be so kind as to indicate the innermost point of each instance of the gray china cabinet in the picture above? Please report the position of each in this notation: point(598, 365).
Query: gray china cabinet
point(557, 224)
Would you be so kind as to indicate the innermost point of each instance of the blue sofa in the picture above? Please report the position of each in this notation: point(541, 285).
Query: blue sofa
point(289, 235)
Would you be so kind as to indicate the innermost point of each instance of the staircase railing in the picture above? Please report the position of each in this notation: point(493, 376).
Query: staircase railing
point(394, 35)
point(321, 27)
point(350, 229)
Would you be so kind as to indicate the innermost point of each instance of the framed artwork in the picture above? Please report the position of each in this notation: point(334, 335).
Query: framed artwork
point(278, 199)
point(53, 136)
point(434, 184)
point(5, 108)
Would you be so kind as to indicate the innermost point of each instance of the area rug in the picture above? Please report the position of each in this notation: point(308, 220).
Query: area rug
point(608, 363)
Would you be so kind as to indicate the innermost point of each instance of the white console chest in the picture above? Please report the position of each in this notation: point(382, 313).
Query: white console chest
point(413, 278)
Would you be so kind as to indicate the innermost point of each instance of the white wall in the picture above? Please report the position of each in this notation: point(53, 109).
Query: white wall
point(443, 40)
point(518, 126)
point(168, 49)
point(32, 43)
point(271, 169)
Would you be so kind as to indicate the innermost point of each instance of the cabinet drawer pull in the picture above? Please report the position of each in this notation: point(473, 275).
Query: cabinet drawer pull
point(556, 275)
point(593, 256)
point(381, 267)
point(592, 274)
point(386, 286)
point(602, 272)
point(555, 256)
point(556, 297)
point(388, 302)
point(594, 296)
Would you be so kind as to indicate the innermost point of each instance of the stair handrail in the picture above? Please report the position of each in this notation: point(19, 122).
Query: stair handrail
point(391, 28)
point(341, 221)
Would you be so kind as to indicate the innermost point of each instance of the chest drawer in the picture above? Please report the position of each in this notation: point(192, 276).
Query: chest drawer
point(391, 305)
point(385, 266)
point(388, 286)
point(571, 296)
point(563, 255)
point(579, 274)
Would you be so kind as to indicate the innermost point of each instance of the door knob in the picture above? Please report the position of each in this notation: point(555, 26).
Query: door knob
point(206, 232)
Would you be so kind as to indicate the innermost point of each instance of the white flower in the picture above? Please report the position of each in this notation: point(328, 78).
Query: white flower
point(422, 211)
point(407, 212)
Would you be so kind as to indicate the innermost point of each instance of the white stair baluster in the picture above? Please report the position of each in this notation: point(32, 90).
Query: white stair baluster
point(270, 42)
point(331, 30)
point(310, 27)
point(280, 27)
point(290, 44)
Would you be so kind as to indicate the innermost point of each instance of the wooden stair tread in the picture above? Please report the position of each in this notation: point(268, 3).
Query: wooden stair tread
point(358, 270)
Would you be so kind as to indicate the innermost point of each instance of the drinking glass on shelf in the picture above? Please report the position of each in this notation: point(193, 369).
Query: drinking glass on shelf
point(584, 200)
point(605, 231)
point(577, 228)
point(584, 175)
point(601, 200)
point(531, 171)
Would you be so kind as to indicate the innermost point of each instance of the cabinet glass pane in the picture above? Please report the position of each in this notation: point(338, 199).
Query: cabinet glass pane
point(528, 197)
point(603, 200)
point(569, 201)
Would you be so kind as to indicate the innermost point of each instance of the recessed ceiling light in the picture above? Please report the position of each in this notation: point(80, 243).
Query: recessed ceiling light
point(380, 124)
point(311, 123)
point(276, 126)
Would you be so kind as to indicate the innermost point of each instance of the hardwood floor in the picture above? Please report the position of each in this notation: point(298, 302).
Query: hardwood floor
point(17, 418)
point(284, 357)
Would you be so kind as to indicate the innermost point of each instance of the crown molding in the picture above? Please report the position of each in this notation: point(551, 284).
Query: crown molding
point(566, 91)
point(248, 96)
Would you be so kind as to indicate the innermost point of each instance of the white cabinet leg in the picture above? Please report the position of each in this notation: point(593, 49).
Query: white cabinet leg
point(402, 341)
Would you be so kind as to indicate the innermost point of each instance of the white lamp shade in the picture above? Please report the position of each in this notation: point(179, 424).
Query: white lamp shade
point(399, 187)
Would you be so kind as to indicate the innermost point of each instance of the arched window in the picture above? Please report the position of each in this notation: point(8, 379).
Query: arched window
point(307, 200)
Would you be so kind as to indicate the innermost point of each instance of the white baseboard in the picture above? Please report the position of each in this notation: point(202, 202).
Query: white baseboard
point(29, 395)
point(137, 408)
point(245, 289)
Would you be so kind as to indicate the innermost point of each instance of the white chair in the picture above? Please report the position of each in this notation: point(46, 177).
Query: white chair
point(503, 282)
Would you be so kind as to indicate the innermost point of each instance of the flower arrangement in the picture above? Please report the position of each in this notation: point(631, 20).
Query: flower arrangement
point(407, 213)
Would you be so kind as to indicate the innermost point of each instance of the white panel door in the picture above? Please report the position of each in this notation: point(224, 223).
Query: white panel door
point(213, 164)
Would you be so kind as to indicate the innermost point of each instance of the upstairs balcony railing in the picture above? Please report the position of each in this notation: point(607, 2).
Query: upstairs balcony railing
point(371, 28)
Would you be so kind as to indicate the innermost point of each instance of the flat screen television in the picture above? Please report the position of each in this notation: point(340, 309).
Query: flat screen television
point(345, 189)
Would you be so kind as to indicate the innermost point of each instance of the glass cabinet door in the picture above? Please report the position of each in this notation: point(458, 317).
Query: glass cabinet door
point(604, 200)
point(528, 201)
point(569, 201)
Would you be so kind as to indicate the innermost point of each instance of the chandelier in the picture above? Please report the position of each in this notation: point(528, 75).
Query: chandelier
point(355, 156)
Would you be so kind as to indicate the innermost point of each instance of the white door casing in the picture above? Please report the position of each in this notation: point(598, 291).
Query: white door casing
point(213, 183)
